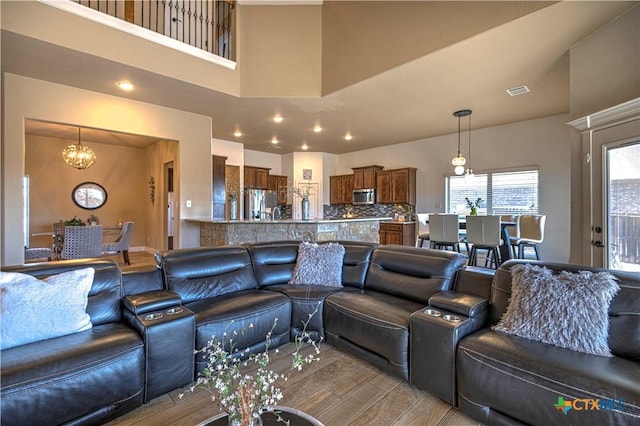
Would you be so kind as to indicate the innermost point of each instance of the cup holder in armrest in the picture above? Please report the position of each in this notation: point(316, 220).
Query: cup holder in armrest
point(174, 311)
point(452, 318)
point(432, 312)
point(152, 316)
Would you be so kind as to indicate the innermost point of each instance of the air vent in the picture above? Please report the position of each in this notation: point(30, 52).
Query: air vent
point(516, 91)
point(275, 147)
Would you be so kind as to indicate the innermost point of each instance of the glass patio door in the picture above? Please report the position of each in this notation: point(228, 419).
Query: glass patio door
point(621, 198)
point(615, 196)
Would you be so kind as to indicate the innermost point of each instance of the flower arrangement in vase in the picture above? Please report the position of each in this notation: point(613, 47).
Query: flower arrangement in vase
point(245, 396)
point(473, 206)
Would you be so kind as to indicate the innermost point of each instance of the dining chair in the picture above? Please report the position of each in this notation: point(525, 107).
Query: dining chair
point(82, 242)
point(423, 229)
point(444, 231)
point(121, 243)
point(531, 234)
point(484, 233)
point(57, 230)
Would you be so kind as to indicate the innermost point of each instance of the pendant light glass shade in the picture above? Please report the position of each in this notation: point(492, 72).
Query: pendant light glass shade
point(459, 161)
point(79, 156)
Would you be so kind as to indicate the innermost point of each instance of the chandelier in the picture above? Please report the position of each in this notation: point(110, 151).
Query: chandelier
point(459, 161)
point(78, 155)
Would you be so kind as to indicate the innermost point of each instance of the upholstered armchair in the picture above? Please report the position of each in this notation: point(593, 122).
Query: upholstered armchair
point(121, 244)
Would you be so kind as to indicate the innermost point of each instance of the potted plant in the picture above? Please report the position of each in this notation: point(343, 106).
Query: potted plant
point(93, 220)
point(74, 222)
point(473, 206)
point(245, 396)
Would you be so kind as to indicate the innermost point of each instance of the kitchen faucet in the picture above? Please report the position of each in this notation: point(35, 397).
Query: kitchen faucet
point(275, 213)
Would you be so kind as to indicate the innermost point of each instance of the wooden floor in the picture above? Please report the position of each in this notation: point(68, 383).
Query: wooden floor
point(339, 390)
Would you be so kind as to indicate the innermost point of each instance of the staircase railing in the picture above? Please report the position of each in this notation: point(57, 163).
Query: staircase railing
point(206, 24)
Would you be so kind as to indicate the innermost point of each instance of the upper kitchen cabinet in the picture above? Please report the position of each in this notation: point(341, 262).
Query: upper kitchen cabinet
point(365, 177)
point(256, 177)
point(279, 184)
point(341, 189)
point(396, 186)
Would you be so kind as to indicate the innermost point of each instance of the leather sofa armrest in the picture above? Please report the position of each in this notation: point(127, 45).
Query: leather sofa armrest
point(151, 301)
point(462, 304)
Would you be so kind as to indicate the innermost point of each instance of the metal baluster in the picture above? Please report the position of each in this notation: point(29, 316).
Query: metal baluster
point(183, 22)
point(206, 38)
point(201, 19)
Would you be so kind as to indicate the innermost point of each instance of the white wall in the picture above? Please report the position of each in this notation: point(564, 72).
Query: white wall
point(36, 99)
point(542, 142)
point(263, 159)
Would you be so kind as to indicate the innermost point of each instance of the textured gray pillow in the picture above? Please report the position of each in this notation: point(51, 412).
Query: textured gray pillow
point(566, 309)
point(34, 310)
point(319, 264)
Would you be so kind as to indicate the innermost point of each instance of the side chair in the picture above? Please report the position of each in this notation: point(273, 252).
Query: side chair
point(121, 243)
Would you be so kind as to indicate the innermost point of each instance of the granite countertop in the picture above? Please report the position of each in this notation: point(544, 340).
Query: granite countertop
point(354, 219)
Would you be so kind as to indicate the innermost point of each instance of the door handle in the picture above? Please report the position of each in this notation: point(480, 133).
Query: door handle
point(597, 243)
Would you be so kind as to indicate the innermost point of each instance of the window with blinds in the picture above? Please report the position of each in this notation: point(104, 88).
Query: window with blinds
point(514, 192)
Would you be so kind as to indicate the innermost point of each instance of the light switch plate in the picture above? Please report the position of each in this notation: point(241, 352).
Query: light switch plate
point(188, 203)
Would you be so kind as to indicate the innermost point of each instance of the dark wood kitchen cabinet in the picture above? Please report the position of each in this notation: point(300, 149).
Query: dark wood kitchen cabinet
point(279, 184)
point(341, 189)
point(400, 233)
point(396, 186)
point(256, 177)
point(365, 177)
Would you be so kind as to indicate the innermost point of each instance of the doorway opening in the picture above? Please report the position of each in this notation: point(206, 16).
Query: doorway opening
point(168, 172)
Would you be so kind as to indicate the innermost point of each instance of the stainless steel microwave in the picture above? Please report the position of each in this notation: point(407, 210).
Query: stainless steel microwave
point(364, 196)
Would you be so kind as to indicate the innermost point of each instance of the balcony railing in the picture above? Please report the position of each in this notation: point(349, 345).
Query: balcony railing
point(206, 24)
point(625, 237)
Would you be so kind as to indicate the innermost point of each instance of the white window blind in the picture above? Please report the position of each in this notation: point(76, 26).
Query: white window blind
point(514, 192)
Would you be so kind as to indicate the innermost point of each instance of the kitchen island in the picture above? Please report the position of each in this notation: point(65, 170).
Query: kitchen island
point(222, 232)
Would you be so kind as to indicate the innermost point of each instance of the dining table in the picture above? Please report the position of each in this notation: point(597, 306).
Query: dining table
point(505, 247)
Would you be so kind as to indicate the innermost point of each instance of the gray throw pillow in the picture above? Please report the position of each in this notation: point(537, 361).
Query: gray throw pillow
point(34, 310)
point(567, 309)
point(319, 264)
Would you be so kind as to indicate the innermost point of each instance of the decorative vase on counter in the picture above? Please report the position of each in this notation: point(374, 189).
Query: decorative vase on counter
point(305, 209)
point(233, 209)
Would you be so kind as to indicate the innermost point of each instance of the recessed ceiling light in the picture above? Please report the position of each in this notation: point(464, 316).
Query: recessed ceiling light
point(317, 129)
point(274, 141)
point(305, 147)
point(125, 85)
point(278, 118)
point(348, 136)
point(237, 133)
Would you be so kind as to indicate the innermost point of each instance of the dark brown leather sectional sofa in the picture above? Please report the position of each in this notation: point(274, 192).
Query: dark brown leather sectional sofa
point(158, 317)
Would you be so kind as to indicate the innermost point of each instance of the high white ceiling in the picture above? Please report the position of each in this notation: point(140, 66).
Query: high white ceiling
point(412, 101)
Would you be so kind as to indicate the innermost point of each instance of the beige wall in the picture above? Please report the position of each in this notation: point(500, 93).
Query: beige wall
point(158, 156)
point(279, 50)
point(30, 98)
point(360, 38)
point(120, 170)
point(605, 66)
point(605, 71)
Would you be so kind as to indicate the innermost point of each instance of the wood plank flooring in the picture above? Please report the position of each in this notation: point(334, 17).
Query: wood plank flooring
point(339, 390)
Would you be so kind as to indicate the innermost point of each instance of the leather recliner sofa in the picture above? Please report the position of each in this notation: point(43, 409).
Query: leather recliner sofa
point(502, 379)
point(83, 378)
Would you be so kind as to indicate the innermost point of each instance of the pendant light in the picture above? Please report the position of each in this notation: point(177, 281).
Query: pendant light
point(459, 161)
point(469, 171)
point(78, 155)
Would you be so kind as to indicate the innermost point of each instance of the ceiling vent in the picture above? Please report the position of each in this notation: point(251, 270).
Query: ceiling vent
point(516, 91)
